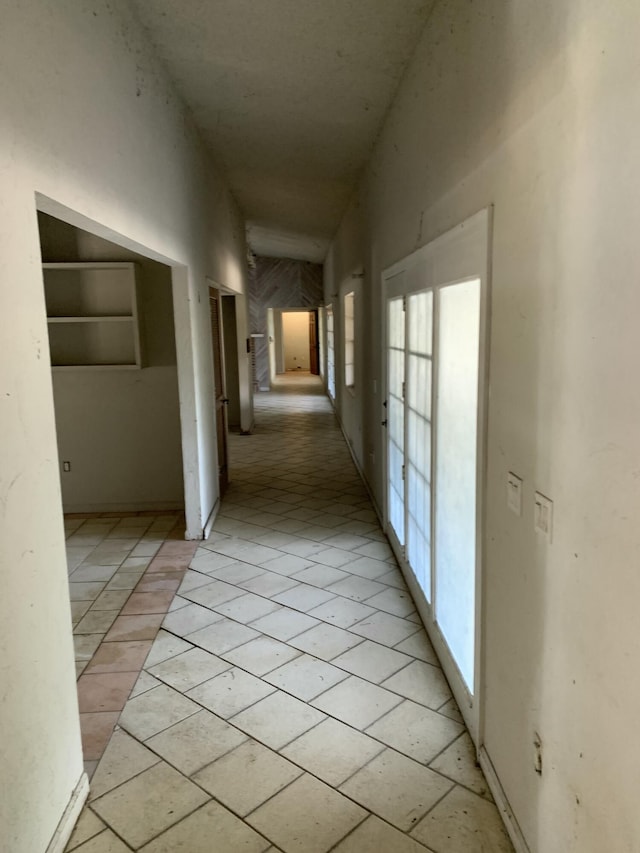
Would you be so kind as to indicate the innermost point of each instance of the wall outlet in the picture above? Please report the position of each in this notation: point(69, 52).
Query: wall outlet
point(543, 516)
point(66, 467)
point(514, 493)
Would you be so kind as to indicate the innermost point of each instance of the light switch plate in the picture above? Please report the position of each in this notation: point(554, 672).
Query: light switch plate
point(514, 493)
point(543, 516)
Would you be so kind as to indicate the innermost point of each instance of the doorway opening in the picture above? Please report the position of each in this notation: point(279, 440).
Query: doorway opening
point(294, 341)
point(114, 375)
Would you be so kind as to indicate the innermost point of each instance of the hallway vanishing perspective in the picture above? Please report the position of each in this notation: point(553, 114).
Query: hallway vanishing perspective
point(292, 700)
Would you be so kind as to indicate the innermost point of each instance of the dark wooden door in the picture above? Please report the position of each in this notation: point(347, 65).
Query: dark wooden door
point(220, 390)
point(314, 355)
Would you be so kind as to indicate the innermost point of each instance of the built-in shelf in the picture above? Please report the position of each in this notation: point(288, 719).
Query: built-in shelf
point(92, 313)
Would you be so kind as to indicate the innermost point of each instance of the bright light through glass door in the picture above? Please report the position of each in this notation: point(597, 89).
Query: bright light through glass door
point(456, 470)
point(331, 358)
point(395, 417)
point(418, 457)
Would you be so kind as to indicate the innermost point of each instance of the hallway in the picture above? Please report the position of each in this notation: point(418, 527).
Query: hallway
point(292, 700)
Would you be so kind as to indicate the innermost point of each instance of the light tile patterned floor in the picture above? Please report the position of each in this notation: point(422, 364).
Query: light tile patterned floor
point(292, 701)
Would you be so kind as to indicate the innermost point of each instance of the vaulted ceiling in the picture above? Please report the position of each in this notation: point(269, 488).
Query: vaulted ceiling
point(289, 96)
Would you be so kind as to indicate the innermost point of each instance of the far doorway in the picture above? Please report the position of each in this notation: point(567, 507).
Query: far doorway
point(293, 341)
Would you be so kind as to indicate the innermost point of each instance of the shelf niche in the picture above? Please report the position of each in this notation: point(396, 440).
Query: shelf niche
point(92, 315)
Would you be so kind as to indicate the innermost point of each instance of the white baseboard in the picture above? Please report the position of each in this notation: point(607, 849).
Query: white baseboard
point(141, 506)
point(508, 817)
point(71, 814)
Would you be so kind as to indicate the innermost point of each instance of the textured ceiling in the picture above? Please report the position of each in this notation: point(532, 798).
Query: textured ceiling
point(289, 96)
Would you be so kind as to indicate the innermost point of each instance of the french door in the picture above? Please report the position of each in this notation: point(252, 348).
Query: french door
point(436, 309)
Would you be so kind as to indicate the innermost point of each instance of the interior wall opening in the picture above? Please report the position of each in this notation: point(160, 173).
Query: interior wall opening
point(114, 373)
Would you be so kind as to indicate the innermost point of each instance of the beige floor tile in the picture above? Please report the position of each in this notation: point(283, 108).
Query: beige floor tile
point(303, 597)
point(450, 709)
point(307, 817)
point(332, 751)
point(277, 719)
point(302, 548)
point(247, 551)
point(261, 655)
point(325, 641)
point(123, 759)
point(144, 806)
point(458, 762)
point(246, 777)
point(394, 601)
point(124, 580)
point(85, 645)
point(356, 588)
point(421, 682)
point(397, 789)
point(105, 842)
point(376, 836)
point(346, 541)
point(78, 609)
point(306, 677)
point(113, 599)
point(356, 702)
point(222, 636)
point(269, 584)
point(212, 594)
point(416, 731)
point(92, 574)
point(166, 646)
point(85, 591)
point(195, 742)
point(125, 656)
point(367, 567)
point(187, 670)
point(285, 623)
point(246, 608)
point(154, 711)
point(207, 561)
point(145, 682)
point(210, 829)
point(372, 661)
point(238, 573)
point(342, 612)
point(336, 557)
point(387, 629)
point(320, 576)
point(193, 580)
point(96, 622)
point(188, 619)
point(463, 823)
point(231, 692)
point(88, 826)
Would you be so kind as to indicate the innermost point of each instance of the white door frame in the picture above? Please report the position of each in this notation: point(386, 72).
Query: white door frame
point(458, 255)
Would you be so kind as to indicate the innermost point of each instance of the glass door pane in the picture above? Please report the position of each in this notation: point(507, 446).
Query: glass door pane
point(418, 457)
point(331, 358)
point(456, 467)
point(395, 416)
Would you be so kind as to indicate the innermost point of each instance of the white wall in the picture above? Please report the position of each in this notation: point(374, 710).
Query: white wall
point(295, 340)
point(89, 122)
point(535, 108)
